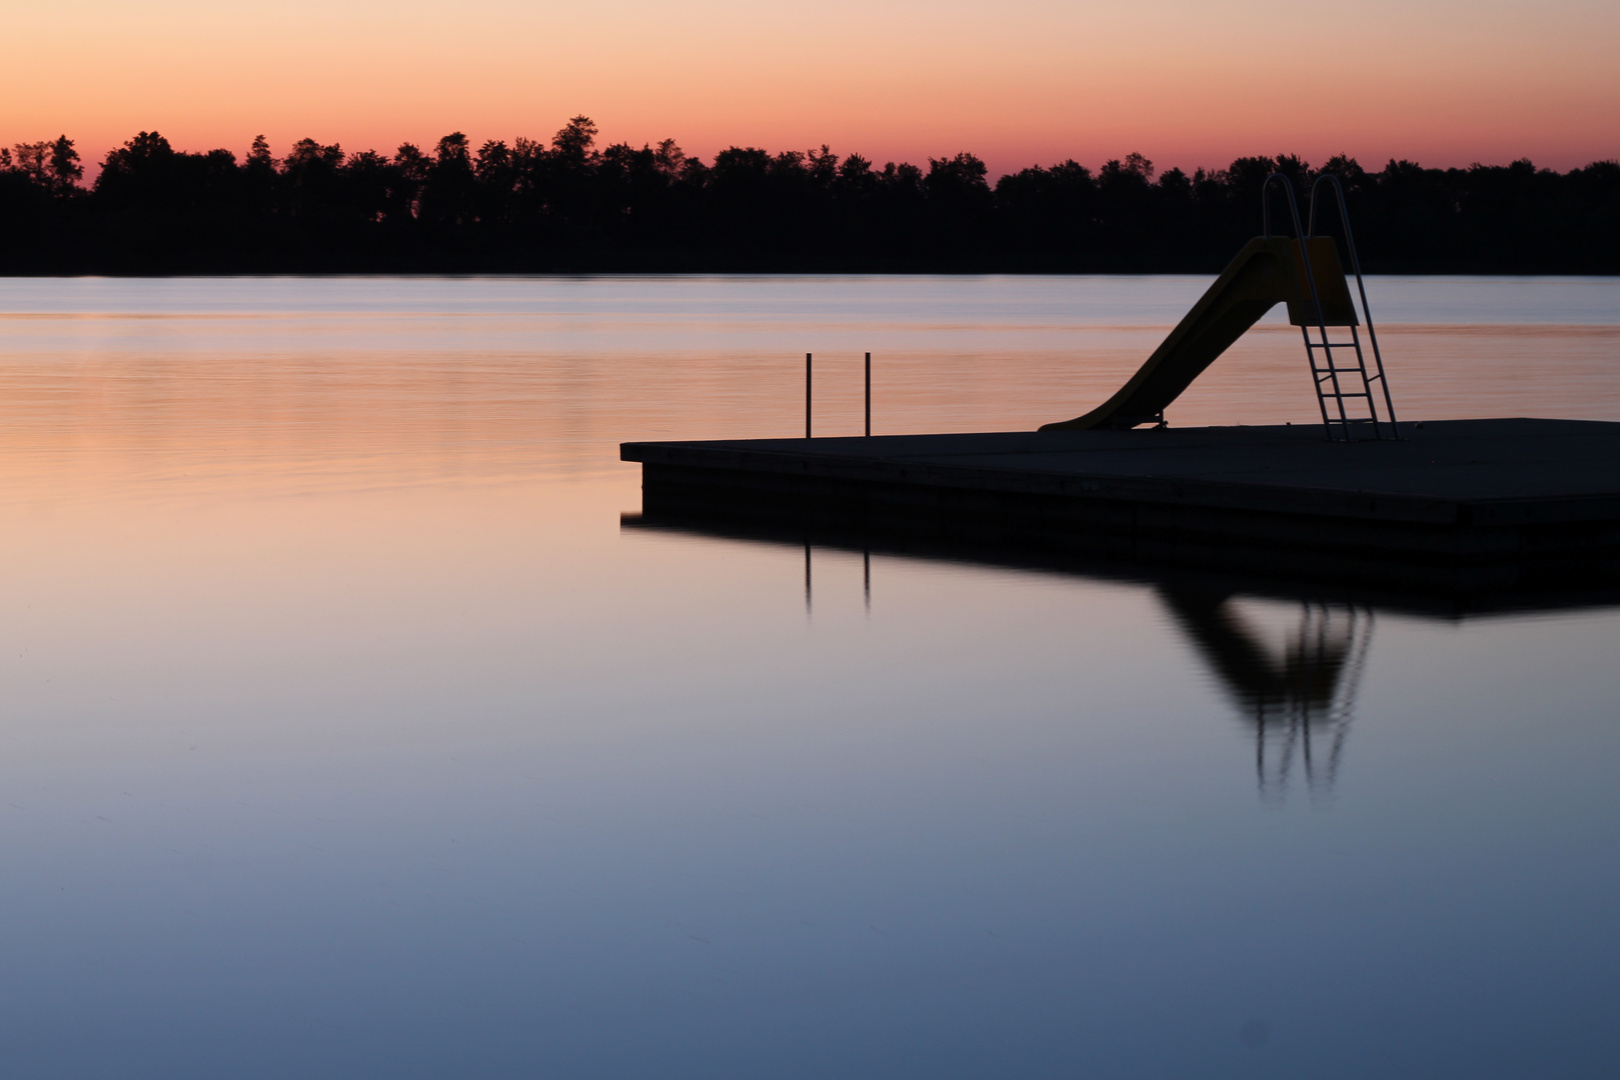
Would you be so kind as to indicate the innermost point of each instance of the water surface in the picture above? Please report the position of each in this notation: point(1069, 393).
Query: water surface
point(347, 733)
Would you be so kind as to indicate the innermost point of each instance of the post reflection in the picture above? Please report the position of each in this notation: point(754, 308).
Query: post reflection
point(1298, 696)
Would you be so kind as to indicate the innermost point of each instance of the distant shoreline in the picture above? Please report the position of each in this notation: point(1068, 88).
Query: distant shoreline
point(337, 275)
point(568, 207)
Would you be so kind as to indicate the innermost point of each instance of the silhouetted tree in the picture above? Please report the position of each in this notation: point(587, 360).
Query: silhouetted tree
point(568, 204)
point(51, 164)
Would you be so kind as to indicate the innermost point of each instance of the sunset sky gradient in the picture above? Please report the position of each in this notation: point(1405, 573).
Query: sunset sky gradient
point(1019, 82)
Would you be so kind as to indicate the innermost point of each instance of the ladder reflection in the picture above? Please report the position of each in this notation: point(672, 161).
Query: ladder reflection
point(1298, 697)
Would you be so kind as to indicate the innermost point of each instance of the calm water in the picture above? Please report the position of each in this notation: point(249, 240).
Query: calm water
point(347, 733)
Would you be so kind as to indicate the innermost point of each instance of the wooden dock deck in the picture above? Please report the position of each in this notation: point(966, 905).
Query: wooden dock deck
point(1455, 493)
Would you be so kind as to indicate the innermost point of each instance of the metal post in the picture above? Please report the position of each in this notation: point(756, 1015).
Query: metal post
point(868, 395)
point(807, 395)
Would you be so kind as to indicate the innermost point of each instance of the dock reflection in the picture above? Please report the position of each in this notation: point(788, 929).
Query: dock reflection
point(1291, 678)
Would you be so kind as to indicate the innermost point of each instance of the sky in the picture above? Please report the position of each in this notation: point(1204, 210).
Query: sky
point(1018, 82)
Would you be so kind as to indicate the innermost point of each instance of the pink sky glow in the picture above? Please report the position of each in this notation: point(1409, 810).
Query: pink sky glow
point(1020, 83)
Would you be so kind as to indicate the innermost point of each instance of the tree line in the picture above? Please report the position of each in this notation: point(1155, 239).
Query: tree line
point(569, 205)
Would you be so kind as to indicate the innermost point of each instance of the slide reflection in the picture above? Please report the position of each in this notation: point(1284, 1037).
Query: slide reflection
point(1300, 697)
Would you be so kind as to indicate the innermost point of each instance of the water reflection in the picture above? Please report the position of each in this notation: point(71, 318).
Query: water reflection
point(1288, 652)
point(1298, 697)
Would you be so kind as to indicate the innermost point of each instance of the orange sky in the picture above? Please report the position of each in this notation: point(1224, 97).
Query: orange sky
point(1019, 81)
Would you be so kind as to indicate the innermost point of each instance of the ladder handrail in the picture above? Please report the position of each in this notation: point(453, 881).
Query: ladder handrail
point(1355, 266)
point(1310, 277)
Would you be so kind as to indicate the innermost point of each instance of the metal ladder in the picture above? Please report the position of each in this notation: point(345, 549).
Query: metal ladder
point(1335, 379)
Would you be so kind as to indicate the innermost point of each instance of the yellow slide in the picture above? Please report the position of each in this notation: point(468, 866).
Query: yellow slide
point(1268, 271)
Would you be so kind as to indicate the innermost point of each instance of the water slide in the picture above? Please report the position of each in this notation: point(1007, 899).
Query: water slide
point(1267, 272)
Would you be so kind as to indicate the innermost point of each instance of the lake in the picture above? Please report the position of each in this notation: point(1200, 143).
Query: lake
point(353, 727)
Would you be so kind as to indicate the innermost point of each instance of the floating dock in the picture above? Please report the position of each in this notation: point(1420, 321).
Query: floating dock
point(1505, 503)
point(1463, 508)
